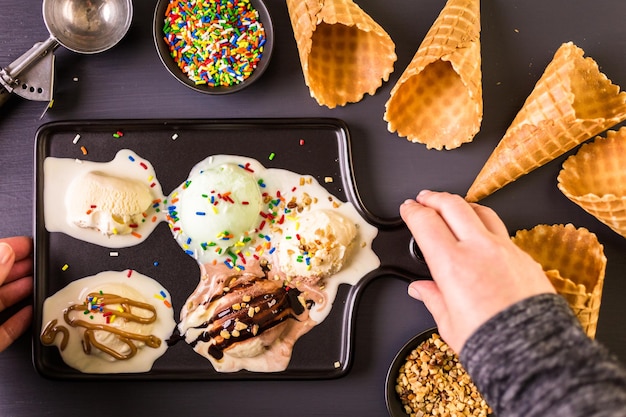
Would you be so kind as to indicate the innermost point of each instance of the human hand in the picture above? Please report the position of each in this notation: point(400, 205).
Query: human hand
point(477, 270)
point(16, 283)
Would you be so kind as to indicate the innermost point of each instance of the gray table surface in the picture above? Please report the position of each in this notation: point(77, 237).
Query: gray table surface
point(519, 38)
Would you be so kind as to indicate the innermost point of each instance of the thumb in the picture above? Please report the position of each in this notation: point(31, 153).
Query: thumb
point(428, 292)
point(7, 257)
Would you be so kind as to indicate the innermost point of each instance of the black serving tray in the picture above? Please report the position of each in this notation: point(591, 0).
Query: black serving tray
point(317, 147)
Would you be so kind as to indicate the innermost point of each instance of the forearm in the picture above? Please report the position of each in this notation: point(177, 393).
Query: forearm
point(533, 359)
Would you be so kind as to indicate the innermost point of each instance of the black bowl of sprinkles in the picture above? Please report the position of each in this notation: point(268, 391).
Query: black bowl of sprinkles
point(213, 46)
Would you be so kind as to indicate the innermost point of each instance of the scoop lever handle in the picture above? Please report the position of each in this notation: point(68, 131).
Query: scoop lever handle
point(33, 72)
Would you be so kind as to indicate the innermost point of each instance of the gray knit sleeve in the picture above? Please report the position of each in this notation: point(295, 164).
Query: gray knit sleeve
point(533, 359)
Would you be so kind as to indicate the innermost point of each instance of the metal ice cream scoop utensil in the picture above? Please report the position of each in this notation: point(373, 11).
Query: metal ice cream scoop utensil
point(83, 26)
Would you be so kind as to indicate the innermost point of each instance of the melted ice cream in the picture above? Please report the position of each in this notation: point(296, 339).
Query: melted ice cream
point(244, 319)
point(273, 247)
point(216, 208)
point(315, 244)
point(113, 204)
point(262, 287)
point(112, 322)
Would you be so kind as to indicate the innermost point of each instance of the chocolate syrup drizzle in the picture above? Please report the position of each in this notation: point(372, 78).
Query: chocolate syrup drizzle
point(250, 315)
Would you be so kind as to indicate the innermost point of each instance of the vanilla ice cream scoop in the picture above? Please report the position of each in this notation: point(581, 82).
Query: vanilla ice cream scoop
point(216, 208)
point(110, 204)
point(315, 244)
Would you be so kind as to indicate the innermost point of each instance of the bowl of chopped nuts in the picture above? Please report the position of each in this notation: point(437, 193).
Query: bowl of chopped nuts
point(216, 47)
point(426, 378)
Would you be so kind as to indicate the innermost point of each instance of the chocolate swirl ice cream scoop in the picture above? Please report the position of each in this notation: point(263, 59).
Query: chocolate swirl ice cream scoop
point(243, 313)
point(249, 312)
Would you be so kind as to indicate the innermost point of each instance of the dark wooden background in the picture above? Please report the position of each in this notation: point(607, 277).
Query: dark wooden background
point(519, 38)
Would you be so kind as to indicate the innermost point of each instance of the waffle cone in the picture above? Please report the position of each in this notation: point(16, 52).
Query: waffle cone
point(344, 53)
point(438, 99)
point(571, 102)
point(575, 263)
point(595, 179)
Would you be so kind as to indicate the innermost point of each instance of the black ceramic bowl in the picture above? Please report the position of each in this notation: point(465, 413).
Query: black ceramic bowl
point(394, 405)
point(170, 64)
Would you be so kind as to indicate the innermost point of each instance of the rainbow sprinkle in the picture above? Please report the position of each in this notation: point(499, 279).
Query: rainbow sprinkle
point(237, 251)
point(214, 42)
point(163, 297)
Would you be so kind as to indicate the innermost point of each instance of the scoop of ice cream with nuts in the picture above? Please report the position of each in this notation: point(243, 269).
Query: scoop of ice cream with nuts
point(315, 244)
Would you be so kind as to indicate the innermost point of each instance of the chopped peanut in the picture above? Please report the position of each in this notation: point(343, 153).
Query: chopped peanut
point(433, 382)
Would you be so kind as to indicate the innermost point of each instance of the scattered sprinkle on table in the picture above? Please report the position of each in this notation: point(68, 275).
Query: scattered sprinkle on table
point(76, 139)
point(65, 267)
point(214, 42)
point(272, 156)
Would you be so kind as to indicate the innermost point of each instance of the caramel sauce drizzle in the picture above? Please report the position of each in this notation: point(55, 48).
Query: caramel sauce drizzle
point(89, 336)
point(50, 333)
